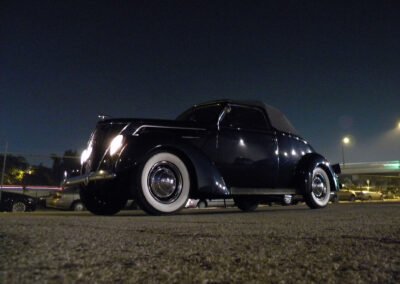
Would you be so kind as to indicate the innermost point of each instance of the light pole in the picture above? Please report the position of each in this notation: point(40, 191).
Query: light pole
point(4, 168)
point(345, 141)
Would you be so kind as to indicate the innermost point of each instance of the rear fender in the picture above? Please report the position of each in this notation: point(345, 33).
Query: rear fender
point(206, 179)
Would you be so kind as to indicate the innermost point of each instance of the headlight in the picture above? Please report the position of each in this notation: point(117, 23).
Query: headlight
point(86, 153)
point(116, 144)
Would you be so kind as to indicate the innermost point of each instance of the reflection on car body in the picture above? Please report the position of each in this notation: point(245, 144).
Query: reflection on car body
point(245, 151)
point(205, 203)
point(347, 195)
point(67, 199)
point(369, 195)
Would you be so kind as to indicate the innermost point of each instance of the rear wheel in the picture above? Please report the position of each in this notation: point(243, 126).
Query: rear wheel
point(164, 182)
point(318, 193)
point(246, 203)
point(18, 206)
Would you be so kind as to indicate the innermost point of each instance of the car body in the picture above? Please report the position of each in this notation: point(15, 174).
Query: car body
point(67, 199)
point(369, 195)
point(16, 202)
point(347, 195)
point(247, 151)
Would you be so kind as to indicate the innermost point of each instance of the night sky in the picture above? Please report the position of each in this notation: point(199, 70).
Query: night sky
point(333, 67)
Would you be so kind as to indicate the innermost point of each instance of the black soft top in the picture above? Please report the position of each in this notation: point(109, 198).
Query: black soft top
point(279, 120)
point(276, 117)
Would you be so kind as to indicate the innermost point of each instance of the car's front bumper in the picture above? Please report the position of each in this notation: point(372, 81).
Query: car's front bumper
point(92, 176)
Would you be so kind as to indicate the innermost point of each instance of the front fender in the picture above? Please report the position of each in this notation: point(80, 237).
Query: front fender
point(305, 169)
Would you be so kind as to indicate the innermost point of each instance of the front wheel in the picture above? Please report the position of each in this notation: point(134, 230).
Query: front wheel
point(18, 206)
point(318, 193)
point(164, 181)
point(202, 204)
point(103, 199)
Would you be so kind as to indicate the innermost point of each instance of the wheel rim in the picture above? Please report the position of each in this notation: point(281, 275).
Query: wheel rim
point(165, 182)
point(78, 207)
point(319, 187)
point(287, 199)
point(18, 207)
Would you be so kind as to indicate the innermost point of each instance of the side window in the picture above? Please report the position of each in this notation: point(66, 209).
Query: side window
point(245, 117)
point(204, 114)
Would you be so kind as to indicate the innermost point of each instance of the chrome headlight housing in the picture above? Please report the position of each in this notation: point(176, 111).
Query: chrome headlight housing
point(116, 144)
point(86, 153)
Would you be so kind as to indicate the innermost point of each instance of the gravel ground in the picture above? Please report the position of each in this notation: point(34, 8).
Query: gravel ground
point(346, 243)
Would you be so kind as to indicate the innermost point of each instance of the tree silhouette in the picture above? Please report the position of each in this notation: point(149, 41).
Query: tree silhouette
point(15, 167)
point(19, 172)
point(69, 162)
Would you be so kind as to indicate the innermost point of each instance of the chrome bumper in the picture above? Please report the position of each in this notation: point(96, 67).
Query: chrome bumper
point(85, 179)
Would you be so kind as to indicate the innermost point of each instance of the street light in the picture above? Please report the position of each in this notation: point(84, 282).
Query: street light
point(345, 141)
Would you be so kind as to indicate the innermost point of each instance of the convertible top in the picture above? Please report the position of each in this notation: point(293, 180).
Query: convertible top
point(279, 120)
point(276, 117)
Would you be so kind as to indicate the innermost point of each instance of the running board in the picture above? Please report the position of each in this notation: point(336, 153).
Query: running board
point(262, 191)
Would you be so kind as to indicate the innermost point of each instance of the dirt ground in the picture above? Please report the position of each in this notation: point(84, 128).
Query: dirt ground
point(344, 243)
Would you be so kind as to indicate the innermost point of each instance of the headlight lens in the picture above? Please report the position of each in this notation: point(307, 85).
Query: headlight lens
point(86, 154)
point(116, 144)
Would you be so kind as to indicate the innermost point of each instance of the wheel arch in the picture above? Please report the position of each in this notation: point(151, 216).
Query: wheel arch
point(206, 181)
point(305, 168)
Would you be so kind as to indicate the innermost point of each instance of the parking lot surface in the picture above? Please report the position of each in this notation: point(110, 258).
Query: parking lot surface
point(344, 243)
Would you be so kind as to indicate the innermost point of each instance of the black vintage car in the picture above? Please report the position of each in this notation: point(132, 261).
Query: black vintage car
point(247, 151)
point(16, 202)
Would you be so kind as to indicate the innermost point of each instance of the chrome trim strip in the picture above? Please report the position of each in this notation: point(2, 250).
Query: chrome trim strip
point(164, 127)
point(93, 176)
point(190, 137)
point(262, 191)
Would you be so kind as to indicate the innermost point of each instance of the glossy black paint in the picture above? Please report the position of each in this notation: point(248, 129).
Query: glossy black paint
point(221, 151)
point(8, 199)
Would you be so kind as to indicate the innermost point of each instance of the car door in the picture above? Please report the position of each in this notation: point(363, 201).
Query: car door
point(67, 197)
point(245, 148)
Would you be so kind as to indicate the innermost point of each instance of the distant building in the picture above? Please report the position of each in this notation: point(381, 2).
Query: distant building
point(374, 176)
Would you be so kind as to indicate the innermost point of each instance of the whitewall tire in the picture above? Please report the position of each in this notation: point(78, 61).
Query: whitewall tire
point(319, 191)
point(164, 184)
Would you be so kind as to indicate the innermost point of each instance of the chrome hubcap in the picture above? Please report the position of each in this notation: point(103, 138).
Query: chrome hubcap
point(78, 207)
point(18, 207)
point(287, 199)
point(319, 187)
point(165, 182)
